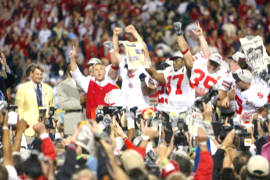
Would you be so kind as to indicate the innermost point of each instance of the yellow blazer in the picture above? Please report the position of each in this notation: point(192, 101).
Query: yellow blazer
point(26, 100)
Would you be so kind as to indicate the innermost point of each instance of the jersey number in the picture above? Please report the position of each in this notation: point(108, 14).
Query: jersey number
point(239, 103)
point(260, 95)
point(207, 80)
point(179, 78)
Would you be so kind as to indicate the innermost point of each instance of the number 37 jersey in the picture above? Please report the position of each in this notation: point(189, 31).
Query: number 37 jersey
point(179, 91)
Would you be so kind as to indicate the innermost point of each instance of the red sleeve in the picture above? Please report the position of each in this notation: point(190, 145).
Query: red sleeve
point(47, 148)
point(129, 144)
point(205, 168)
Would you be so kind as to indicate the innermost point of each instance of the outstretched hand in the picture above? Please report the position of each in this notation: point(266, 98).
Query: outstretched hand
point(198, 30)
point(73, 53)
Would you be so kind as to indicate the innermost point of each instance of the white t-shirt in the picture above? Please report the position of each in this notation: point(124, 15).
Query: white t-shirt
point(179, 91)
point(131, 88)
point(201, 78)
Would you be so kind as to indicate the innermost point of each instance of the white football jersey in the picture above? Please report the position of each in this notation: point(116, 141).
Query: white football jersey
point(250, 100)
point(161, 90)
point(179, 91)
point(131, 88)
point(201, 78)
point(226, 82)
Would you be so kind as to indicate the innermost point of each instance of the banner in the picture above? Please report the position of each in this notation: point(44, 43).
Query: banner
point(135, 55)
point(255, 52)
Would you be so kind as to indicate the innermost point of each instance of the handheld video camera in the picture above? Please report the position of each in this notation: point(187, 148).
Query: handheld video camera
point(110, 110)
point(49, 122)
point(242, 139)
point(180, 138)
point(205, 99)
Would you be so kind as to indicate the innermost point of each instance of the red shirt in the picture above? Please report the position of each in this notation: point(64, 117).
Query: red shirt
point(96, 96)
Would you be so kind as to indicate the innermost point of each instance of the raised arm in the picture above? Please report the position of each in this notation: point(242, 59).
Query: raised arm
point(114, 53)
point(80, 79)
point(183, 46)
point(7, 150)
point(155, 75)
point(203, 43)
point(20, 128)
point(131, 29)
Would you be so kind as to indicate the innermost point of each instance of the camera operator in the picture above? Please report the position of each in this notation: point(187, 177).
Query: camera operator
point(263, 134)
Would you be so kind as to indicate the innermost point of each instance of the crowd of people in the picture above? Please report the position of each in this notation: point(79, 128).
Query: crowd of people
point(131, 89)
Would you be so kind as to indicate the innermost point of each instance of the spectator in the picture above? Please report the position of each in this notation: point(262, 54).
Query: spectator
point(30, 97)
point(69, 100)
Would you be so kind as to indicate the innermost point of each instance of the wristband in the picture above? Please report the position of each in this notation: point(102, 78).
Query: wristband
point(5, 128)
point(79, 157)
point(164, 161)
point(145, 138)
point(203, 143)
point(185, 51)
point(44, 135)
point(100, 131)
point(114, 67)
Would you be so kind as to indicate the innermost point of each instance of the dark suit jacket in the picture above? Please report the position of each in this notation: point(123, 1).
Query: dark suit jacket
point(6, 83)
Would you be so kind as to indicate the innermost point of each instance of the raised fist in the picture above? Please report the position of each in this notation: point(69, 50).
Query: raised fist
point(130, 29)
point(117, 30)
point(72, 53)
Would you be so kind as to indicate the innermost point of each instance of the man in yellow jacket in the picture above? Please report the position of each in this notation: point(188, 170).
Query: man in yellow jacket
point(30, 97)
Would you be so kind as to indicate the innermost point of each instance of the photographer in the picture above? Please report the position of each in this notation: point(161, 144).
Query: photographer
point(264, 135)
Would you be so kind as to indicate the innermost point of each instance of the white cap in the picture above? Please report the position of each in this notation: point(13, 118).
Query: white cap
point(258, 166)
point(216, 57)
point(238, 55)
point(169, 62)
point(94, 61)
point(243, 75)
point(176, 55)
